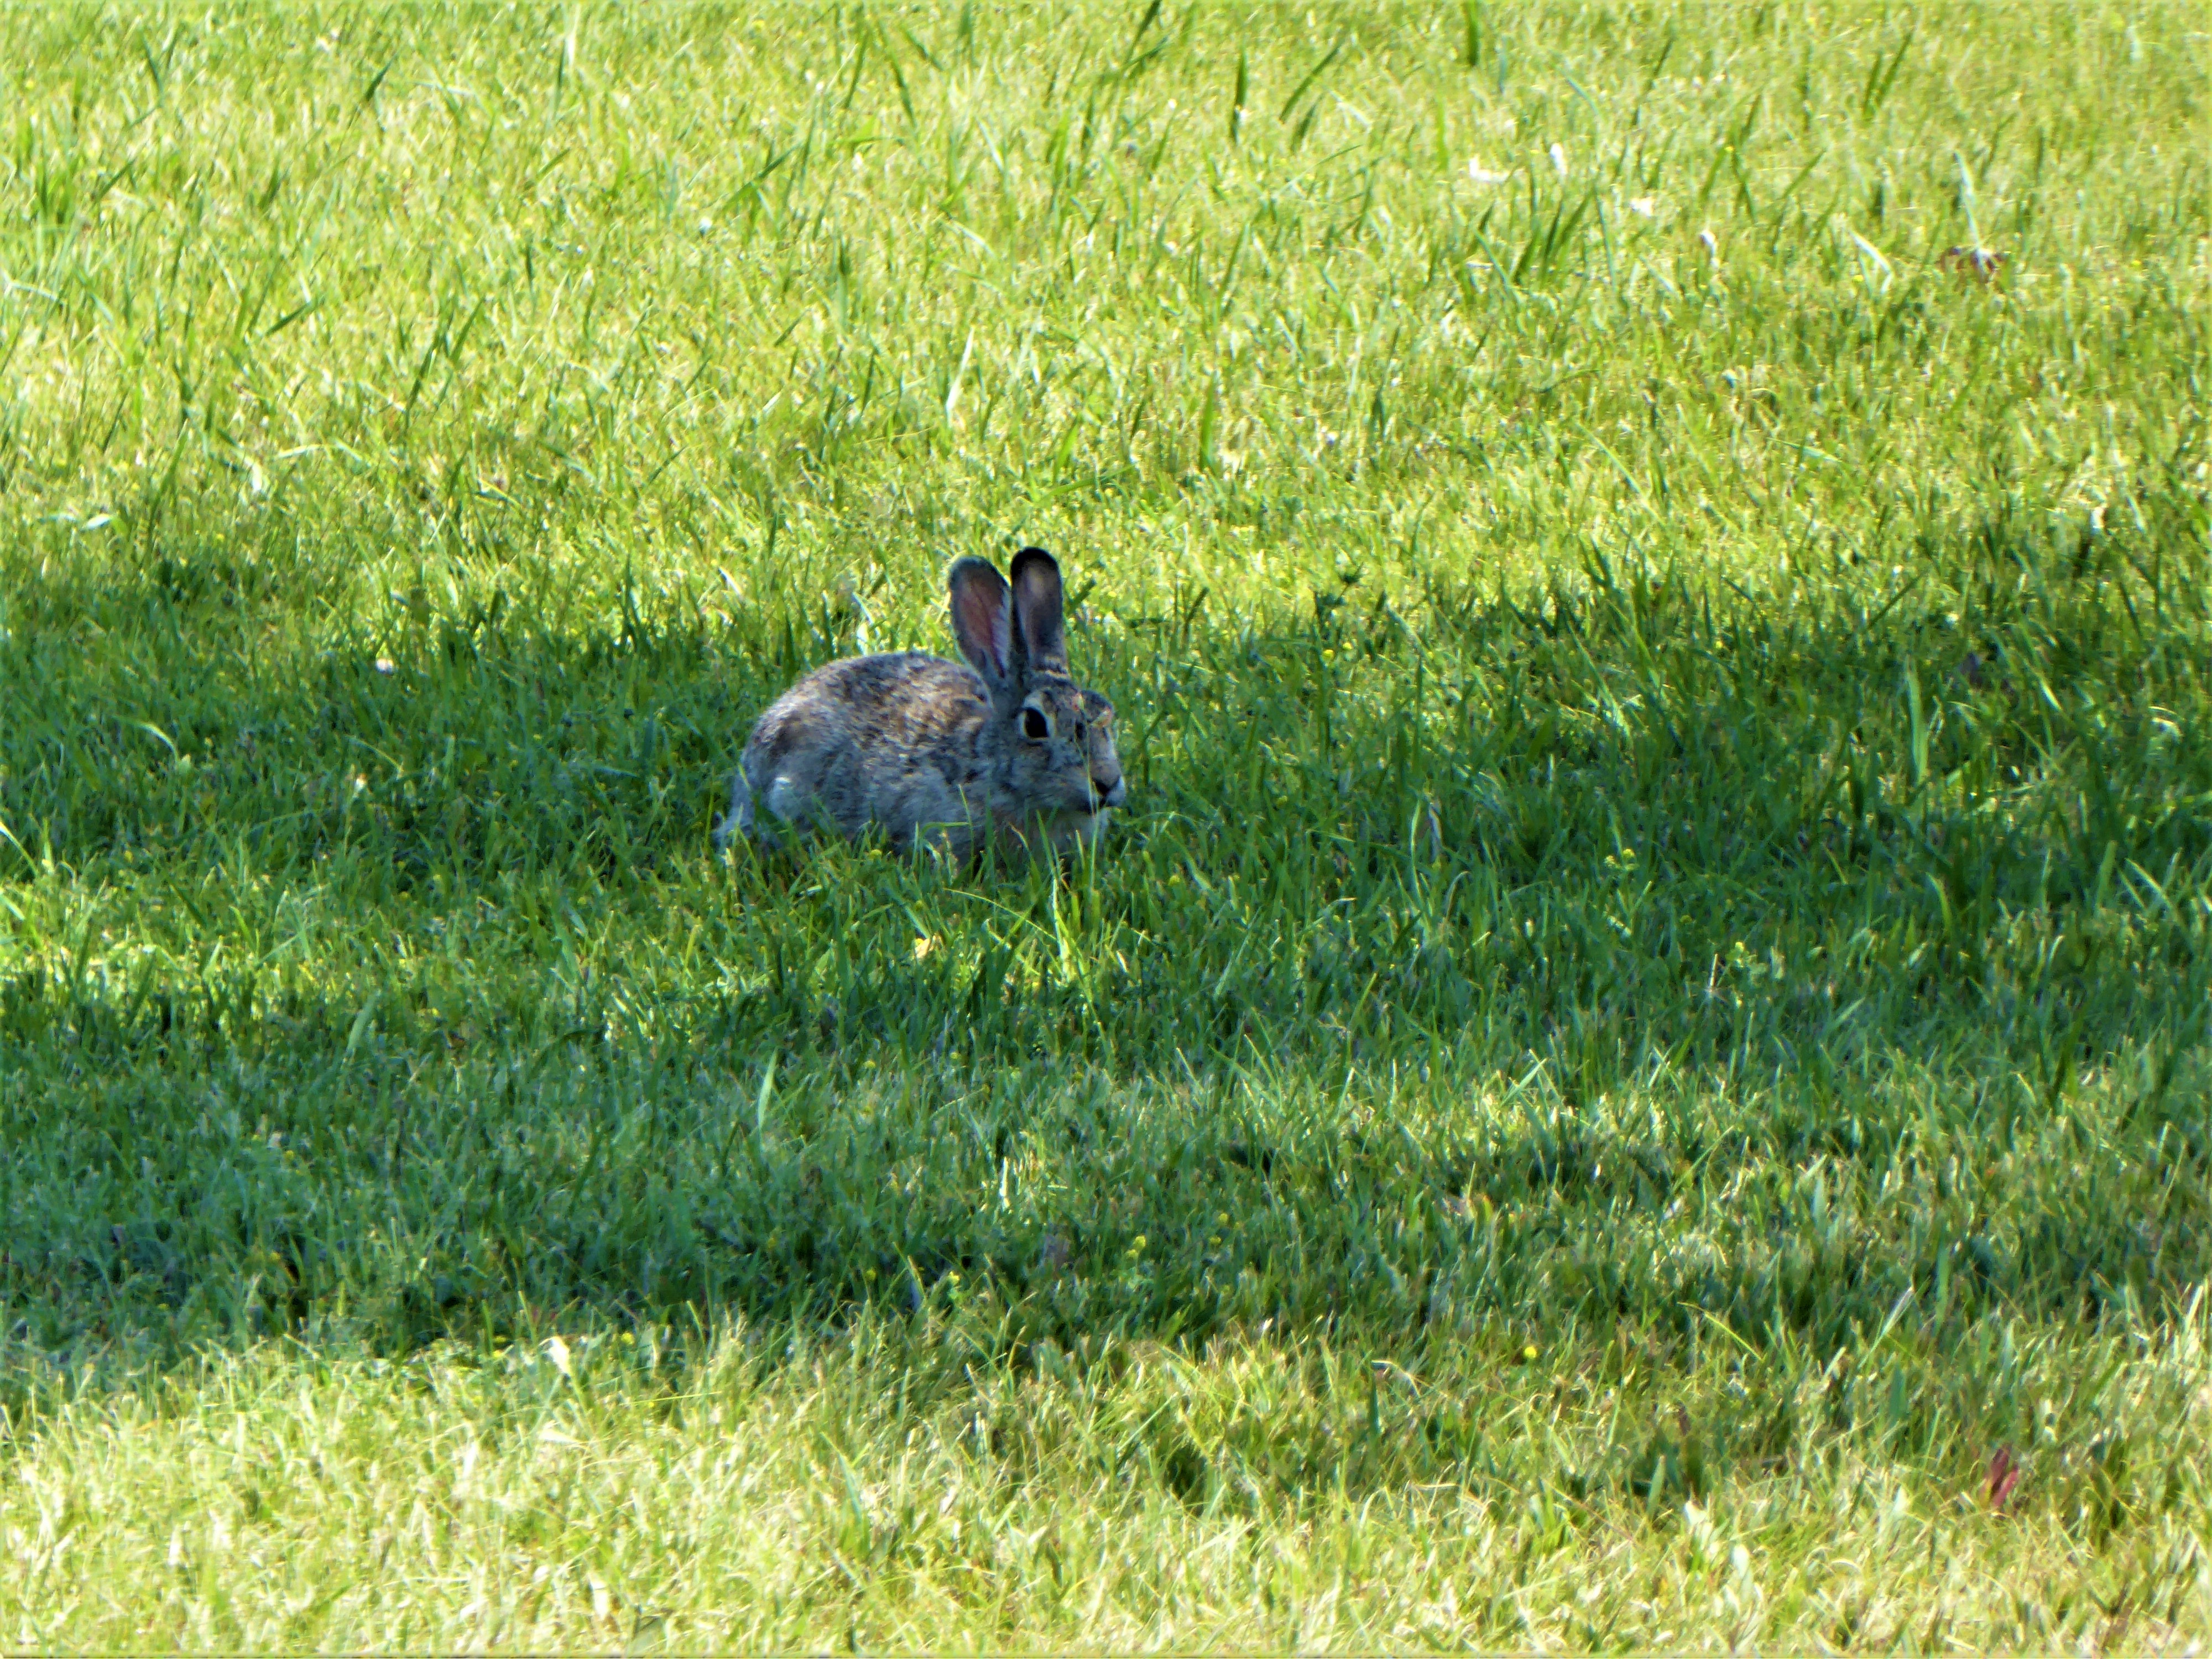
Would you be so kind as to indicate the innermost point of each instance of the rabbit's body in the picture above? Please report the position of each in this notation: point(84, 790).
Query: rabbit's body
point(1008, 752)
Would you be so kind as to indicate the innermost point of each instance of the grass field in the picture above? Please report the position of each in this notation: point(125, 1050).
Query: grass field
point(1634, 1074)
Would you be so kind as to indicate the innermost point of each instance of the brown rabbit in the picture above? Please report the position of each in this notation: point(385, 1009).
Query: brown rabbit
point(1008, 752)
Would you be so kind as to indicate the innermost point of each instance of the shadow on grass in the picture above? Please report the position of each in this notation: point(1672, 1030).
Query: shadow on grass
point(1643, 950)
point(171, 1190)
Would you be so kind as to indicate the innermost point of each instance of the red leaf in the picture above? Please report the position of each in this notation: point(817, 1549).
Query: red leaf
point(2004, 1476)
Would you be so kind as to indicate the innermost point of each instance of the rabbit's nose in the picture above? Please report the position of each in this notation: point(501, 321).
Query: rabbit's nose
point(1113, 794)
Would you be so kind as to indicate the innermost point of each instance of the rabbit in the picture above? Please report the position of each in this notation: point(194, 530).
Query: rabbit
point(1006, 753)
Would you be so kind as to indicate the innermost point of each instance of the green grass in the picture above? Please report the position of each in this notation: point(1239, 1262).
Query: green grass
point(1646, 1022)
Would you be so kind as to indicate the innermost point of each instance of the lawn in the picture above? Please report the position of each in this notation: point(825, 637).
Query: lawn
point(1635, 1072)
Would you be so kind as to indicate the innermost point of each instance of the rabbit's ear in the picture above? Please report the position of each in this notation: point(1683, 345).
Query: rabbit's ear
point(983, 619)
point(1036, 608)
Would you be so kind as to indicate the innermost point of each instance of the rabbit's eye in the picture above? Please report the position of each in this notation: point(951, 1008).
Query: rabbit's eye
point(1034, 726)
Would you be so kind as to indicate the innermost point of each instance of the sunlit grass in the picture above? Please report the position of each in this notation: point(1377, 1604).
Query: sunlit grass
point(1634, 1074)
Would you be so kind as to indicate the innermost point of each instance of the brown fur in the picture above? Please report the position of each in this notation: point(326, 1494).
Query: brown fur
point(1008, 753)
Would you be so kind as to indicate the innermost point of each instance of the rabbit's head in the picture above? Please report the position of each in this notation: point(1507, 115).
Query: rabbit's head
point(1052, 738)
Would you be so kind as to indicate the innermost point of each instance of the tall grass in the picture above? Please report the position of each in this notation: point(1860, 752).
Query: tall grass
point(1636, 1073)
